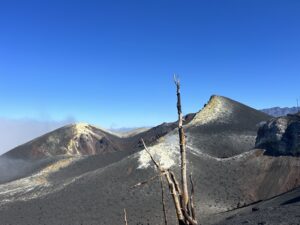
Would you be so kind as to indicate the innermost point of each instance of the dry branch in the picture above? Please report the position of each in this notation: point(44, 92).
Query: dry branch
point(172, 186)
point(147, 181)
point(175, 196)
point(125, 217)
point(192, 198)
point(178, 189)
point(153, 160)
point(163, 200)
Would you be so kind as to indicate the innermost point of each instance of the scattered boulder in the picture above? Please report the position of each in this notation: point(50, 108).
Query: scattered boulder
point(280, 136)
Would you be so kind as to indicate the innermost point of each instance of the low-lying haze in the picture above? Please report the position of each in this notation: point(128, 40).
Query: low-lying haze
point(14, 132)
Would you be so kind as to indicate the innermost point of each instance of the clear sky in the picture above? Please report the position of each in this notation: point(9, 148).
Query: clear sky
point(111, 62)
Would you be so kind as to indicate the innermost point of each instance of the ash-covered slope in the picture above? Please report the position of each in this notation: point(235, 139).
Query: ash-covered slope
point(53, 196)
point(84, 139)
point(83, 189)
point(224, 127)
point(69, 141)
point(283, 209)
point(76, 139)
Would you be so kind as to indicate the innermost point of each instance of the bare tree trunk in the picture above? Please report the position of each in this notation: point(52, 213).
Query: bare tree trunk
point(182, 144)
point(184, 205)
point(175, 196)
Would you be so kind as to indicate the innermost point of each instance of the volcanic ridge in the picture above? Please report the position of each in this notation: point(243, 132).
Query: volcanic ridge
point(83, 175)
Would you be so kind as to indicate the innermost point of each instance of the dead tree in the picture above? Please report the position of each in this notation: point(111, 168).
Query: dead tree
point(183, 203)
point(182, 145)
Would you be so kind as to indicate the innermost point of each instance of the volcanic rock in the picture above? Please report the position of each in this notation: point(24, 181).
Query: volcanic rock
point(280, 136)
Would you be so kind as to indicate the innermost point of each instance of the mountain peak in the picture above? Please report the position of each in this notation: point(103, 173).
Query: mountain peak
point(223, 110)
point(217, 108)
point(81, 128)
point(80, 132)
point(73, 140)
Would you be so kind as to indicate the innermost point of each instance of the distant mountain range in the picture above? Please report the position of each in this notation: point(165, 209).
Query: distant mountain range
point(278, 111)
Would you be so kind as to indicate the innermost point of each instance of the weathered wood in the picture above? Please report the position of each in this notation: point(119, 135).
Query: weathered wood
point(184, 205)
point(147, 181)
point(182, 145)
point(172, 187)
point(175, 196)
point(177, 186)
point(192, 198)
point(125, 217)
point(153, 160)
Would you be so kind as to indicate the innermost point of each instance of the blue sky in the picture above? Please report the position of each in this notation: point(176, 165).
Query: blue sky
point(111, 63)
